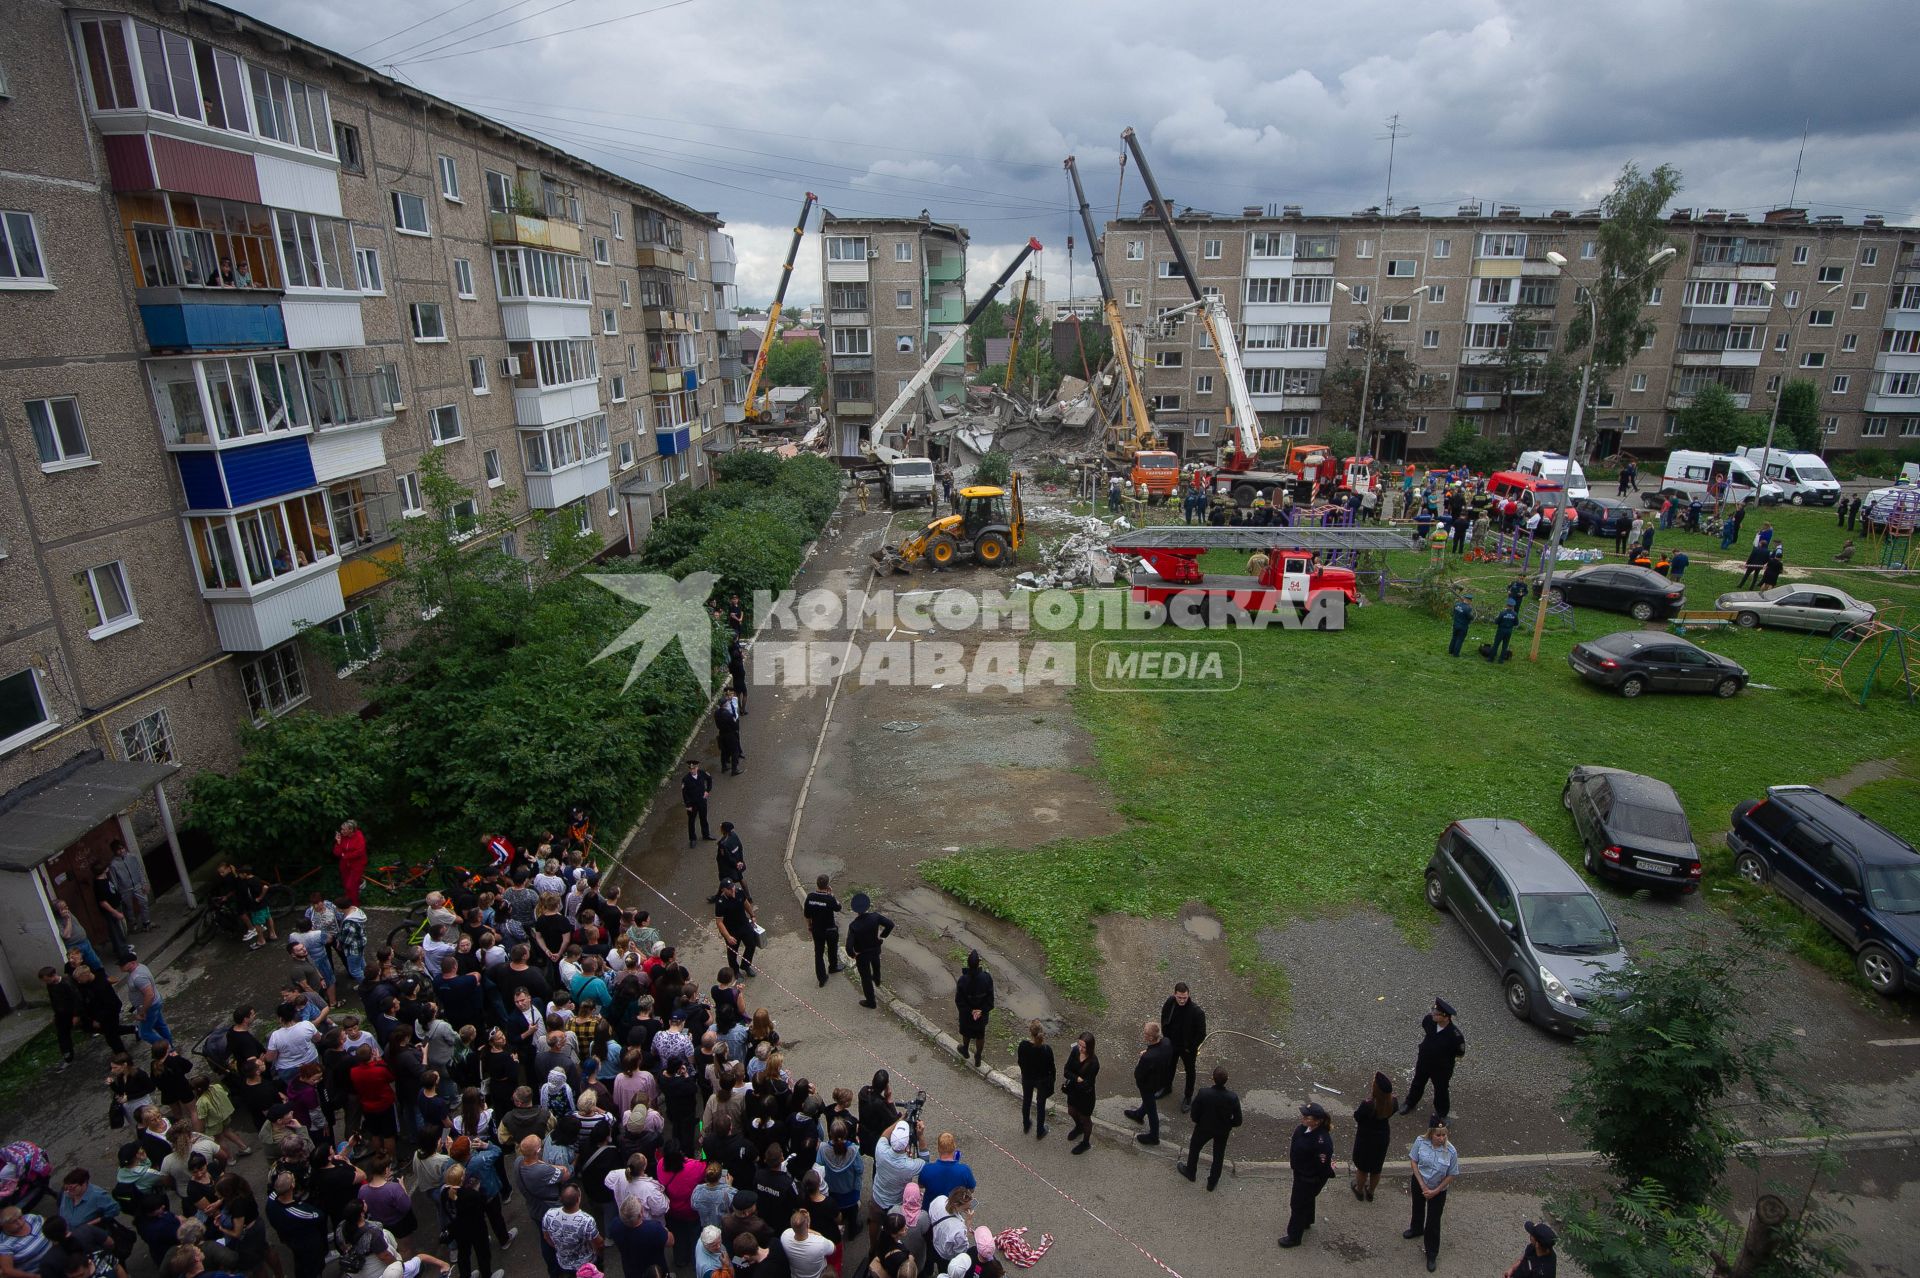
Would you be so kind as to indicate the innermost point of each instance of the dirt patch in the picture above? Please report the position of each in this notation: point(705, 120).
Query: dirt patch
point(1862, 774)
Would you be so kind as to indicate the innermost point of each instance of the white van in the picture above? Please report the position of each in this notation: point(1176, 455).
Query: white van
point(1556, 468)
point(1696, 474)
point(1804, 477)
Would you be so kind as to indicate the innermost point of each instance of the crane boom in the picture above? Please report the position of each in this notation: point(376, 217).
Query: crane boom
point(1122, 353)
point(919, 380)
point(772, 335)
point(1019, 318)
point(1245, 424)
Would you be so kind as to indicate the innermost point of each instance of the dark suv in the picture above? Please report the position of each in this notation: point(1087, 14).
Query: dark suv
point(1537, 921)
point(1853, 875)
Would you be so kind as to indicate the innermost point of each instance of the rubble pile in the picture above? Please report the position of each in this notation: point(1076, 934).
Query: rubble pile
point(1081, 559)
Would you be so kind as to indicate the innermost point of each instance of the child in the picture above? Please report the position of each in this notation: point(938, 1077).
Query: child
point(213, 1111)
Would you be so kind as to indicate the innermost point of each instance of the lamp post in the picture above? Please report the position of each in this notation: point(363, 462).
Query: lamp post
point(1773, 420)
point(1573, 446)
point(1366, 374)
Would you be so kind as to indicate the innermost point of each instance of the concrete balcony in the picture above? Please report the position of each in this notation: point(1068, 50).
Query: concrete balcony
point(659, 319)
point(1477, 403)
point(854, 272)
point(725, 321)
point(661, 258)
point(545, 320)
point(323, 321)
point(275, 613)
point(733, 413)
point(720, 272)
point(853, 363)
point(212, 319)
point(945, 266)
point(731, 366)
point(351, 415)
point(853, 407)
point(548, 405)
point(563, 487)
point(667, 380)
point(946, 311)
point(533, 232)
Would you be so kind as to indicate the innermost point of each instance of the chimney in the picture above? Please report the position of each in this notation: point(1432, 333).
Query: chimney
point(1560, 213)
point(1471, 209)
point(1680, 215)
point(1786, 217)
point(1873, 220)
point(1251, 210)
point(1290, 211)
point(1508, 211)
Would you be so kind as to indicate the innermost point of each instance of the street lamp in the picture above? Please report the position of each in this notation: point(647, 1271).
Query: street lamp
point(1766, 453)
point(1573, 447)
point(1366, 376)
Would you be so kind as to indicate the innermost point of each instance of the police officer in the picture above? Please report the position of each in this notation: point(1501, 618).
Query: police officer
point(1503, 633)
point(1538, 1260)
point(1462, 618)
point(1441, 1047)
point(1311, 1157)
point(822, 909)
point(695, 786)
point(1216, 1112)
point(864, 938)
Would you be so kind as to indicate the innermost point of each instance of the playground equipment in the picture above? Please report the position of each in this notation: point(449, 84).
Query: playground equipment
point(1871, 654)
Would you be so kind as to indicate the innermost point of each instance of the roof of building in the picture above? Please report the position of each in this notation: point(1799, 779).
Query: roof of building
point(238, 20)
point(997, 349)
point(1773, 221)
point(48, 814)
point(789, 394)
point(798, 334)
point(921, 223)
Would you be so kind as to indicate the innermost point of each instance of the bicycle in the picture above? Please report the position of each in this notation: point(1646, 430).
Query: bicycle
point(222, 915)
point(425, 878)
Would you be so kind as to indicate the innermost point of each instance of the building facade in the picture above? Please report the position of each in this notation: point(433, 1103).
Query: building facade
point(246, 284)
point(1748, 304)
point(895, 289)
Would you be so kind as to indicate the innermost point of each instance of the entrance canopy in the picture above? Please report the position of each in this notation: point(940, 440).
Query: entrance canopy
point(42, 818)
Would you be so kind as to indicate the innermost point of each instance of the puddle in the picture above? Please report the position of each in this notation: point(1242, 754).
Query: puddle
point(1201, 926)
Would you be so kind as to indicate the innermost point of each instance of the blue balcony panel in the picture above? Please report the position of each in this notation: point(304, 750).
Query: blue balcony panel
point(200, 326)
point(673, 442)
point(236, 477)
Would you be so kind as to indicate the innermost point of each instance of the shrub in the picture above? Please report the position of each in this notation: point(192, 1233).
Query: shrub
point(1466, 446)
point(747, 550)
point(994, 468)
point(297, 780)
point(748, 468)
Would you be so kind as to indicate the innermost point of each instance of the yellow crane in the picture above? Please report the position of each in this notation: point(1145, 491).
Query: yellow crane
point(1013, 343)
point(1142, 437)
point(754, 412)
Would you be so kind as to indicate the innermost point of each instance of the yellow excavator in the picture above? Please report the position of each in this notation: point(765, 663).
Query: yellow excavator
point(990, 527)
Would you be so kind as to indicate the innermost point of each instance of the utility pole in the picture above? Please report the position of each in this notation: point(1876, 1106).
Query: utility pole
point(1392, 135)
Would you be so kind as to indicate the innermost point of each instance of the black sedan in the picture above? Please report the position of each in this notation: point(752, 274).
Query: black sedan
point(1637, 661)
point(1641, 593)
point(1632, 829)
point(1601, 516)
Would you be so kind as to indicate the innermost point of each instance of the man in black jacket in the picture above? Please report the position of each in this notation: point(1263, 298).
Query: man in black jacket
point(1185, 1024)
point(1311, 1157)
point(864, 937)
point(1440, 1049)
point(1153, 1071)
point(737, 670)
point(821, 911)
point(695, 786)
point(1216, 1112)
point(730, 857)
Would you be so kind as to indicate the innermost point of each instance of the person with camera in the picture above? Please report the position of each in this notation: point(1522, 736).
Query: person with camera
point(895, 1166)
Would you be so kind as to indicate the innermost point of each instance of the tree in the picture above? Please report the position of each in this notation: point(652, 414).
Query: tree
point(1393, 387)
point(1466, 446)
point(1539, 386)
point(1799, 426)
point(1630, 232)
point(1714, 423)
point(298, 779)
point(796, 364)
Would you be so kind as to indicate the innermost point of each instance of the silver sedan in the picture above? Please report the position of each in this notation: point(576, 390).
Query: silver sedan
point(1796, 607)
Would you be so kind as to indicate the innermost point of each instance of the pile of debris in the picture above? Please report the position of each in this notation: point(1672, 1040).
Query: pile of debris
point(1081, 559)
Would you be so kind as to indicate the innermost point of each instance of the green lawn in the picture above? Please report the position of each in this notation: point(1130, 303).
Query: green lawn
point(1321, 783)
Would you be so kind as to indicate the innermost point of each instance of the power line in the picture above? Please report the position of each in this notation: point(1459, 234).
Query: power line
point(436, 37)
point(440, 44)
point(638, 13)
point(354, 53)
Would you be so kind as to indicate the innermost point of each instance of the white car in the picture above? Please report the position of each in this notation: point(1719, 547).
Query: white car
point(1797, 607)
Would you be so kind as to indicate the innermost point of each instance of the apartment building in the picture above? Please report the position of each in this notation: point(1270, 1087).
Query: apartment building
point(245, 285)
point(1744, 303)
point(895, 289)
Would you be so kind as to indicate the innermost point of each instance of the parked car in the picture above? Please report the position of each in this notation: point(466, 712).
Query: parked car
point(1635, 661)
point(1859, 879)
point(1536, 921)
point(1886, 507)
point(1641, 593)
point(1632, 829)
point(1800, 607)
point(1601, 516)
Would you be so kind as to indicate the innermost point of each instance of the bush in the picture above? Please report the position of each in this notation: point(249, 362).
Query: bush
point(1466, 446)
point(747, 550)
point(298, 779)
point(748, 468)
point(994, 468)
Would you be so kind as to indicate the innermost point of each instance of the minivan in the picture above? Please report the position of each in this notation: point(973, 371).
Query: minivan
point(1533, 917)
point(1804, 477)
point(1554, 468)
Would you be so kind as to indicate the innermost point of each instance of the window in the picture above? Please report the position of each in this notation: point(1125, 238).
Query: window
point(314, 250)
point(110, 600)
point(1876, 428)
point(1503, 245)
point(1813, 359)
point(1639, 382)
point(1363, 249)
point(499, 192)
point(148, 740)
point(1832, 274)
point(21, 265)
point(463, 277)
point(1210, 250)
point(903, 251)
point(1850, 342)
point(490, 462)
point(903, 344)
point(619, 232)
point(1443, 247)
point(1419, 425)
point(1773, 384)
point(1820, 319)
point(1780, 341)
point(409, 213)
point(1869, 256)
point(410, 494)
point(1493, 292)
point(1136, 250)
point(444, 423)
point(285, 110)
point(360, 641)
point(1831, 426)
point(1905, 298)
point(1296, 427)
point(477, 375)
point(617, 388)
point(1900, 341)
point(1402, 267)
point(1360, 293)
point(561, 277)
point(1800, 255)
point(1910, 427)
point(1840, 383)
point(1164, 403)
point(853, 341)
point(366, 270)
point(1589, 250)
point(1630, 424)
point(1168, 359)
point(846, 248)
point(1399, 313)
point(1203, 384)
point(275, 683)
point(903, 299)
point(1488, 336)
point(1310, 290)
point(1259, 289)
point(58, 433)
point(1133, 297)
point(1169, 271)
point(1202, 427)
point(449, 179)
point(626, 294)
point(609, 323)
point(1437, 293)
point(633, 356)
point(1900, 384)
point(23, 709)
point(1655, 294)
point(386, 378)
point(428, 323)
point(600, 252)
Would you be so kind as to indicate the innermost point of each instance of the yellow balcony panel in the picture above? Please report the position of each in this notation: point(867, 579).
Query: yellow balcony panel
point(367, 571)
point(533, 232)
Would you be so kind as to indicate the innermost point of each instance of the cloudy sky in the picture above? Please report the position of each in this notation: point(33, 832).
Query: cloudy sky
point(890, 107)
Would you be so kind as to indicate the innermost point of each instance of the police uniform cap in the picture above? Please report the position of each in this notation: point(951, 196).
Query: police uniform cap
point(1443, 1007)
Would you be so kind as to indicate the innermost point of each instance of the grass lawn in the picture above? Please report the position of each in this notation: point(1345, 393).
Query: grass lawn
point(1321, 783)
